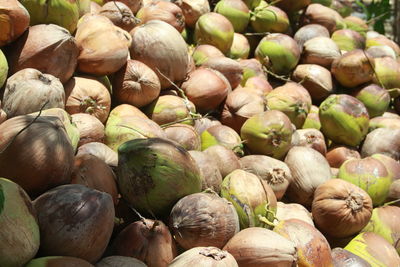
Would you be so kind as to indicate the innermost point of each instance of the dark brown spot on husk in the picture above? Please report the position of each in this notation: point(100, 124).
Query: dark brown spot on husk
point(352, 106)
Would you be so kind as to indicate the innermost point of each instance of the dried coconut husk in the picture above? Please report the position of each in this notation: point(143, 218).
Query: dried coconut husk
point(327, 17)
point(312, 138)
point(286, 211)
point(207, 256)
point(120, 15)
point(225, 158)
point(185, 135)
point(134, 5)
point(231, 69)
point(15, 20)
point(321, 51)
point(308, 32)
point(101, 151)
point(193, 9)
point(90, 128)
point(338, 154)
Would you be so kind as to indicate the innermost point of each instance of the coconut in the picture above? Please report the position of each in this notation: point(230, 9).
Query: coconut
point(293, 211)
point(204, 52)
point(150, 41)
point(342, 257)
point(240, 48)
point(384, 122)
point(266, 18)
point(387, 72)
point(375, 99)
point(236, 11)
point(15, 21)
point(222, 135)
point(185, 135)
point(27, 52)
point(211, 177)
point(268, 133)
point(293, 100)
point(46, 89)
point(203, 219)
point(75, 221)
point(19, 226)
point(357, 24)
point(381, 51)
point(344, 119)
point(337, 155)
point(230, 68)
point(374, 249)
point(214, 29)
point(252, 3)
point(292, 7)
point(348, 40)
point(320, 50)
point(275, 172)
point(379, 40)
point(139, 171)
point(134, 5)
point(316, 79)
point(327, 17)
point(120, 15)
point(312, 138)
point(64, 13)
point(225, 159)
point(207, 256)
point(369, 174)
point(251, 68)
point(104, 48)
point(252, 197)
point(383, 141)
point(278, 52)
point(193, 9)
point(308, 32)
point(353, 68)
point(101, 151)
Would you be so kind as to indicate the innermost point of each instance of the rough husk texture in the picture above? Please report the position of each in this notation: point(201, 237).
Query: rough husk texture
point(14, 20)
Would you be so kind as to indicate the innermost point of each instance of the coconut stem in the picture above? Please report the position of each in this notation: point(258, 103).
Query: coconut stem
point(275, 176)
point(279, 77)
point(354, 202)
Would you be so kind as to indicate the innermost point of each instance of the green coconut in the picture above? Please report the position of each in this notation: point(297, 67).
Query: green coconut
point(222, 135)
point(204, 52)
point(280, 53)
point(268, 133)
point(381, 40)
point(387, 72)
point(19, 229)
point(3, 69)
point(240, 48)
point(293, 100)
point(70, 127)
point(253, 199)
point(64, 13)
point(267, 18)
point(344, 119)
point(251, 68)
point(154, 173)
point(357, 24)
point(312, 121)
point(385, 222)
point(236, 11)
point(375, 98)
point(214, 29)
point(252, 3)
point(370, 175)
point(348, 40)
point(374, 249)
point(52, 261)
point(383, 122)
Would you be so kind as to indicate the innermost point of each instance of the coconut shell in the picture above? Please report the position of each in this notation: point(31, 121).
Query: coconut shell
point(46, 89)
point(27, 52)
point(87, 95)
point(66, 228)
point(257, 246)
point(203, 219)
point(19, 226)
point(150, 41)
point(275, 172)
point(47, 159)
point(142, 239)
point(392, 166)
point(204, 52)
point(202, 124)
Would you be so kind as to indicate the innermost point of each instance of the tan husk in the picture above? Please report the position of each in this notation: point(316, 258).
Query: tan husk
point(149, 43)
point(145, 238)
point(383, 141)
point(202, 124)
point(90, 128)
point(321, 51)
point(231, 69)
point(185, 135)
point(340, 208)
point(312, 247)
point(134, 5)
point(93, 172)
point(336, 155)
point(327, 17)
point(311, 138)
point(101, 151)
point(342, 257)
point(207, 256)
point(225, 158)
point(136, 84)
point(204, 52)
point(260, 84)
point(222, 135)
point(308, 32)
point(381, 51)
point(55, 54)
point(240, 105)
point(104, 47)
point(127, 110)
point(275, 172)
point(206, 88)
point(316, 79)
point(47, 158)
point(193, 9)
point(203, 219)
point(309, 169)
point(44, 91)
point(15, 20)
point(85, 95)
point(257, 246)
point(293, 211)
point(120, 15)
point(163, 11)
point(210, 175)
